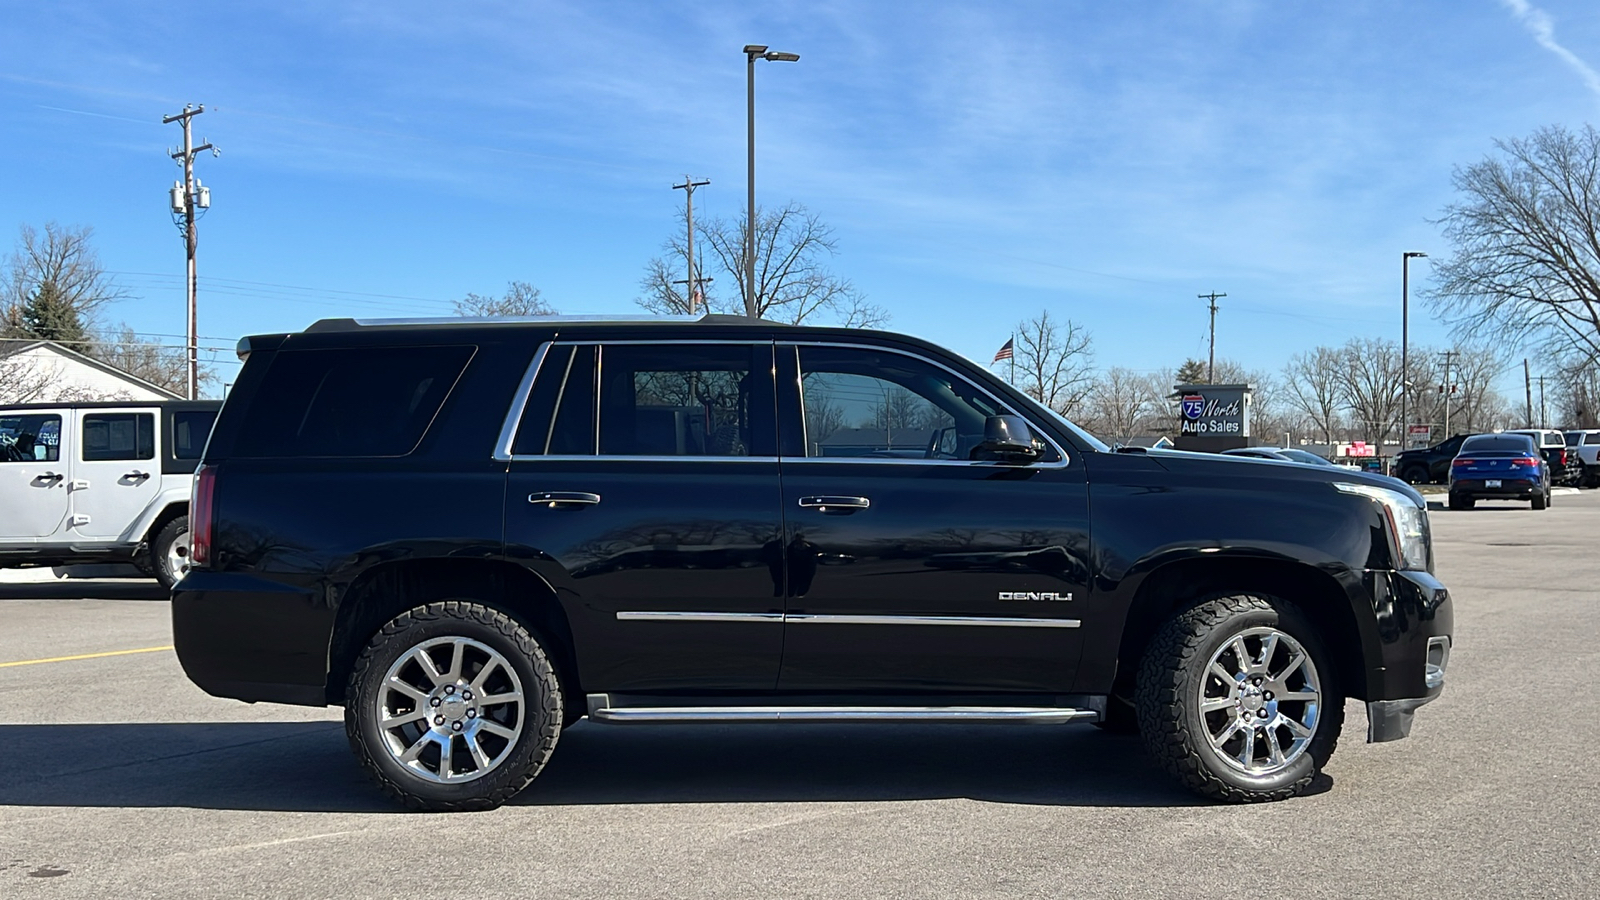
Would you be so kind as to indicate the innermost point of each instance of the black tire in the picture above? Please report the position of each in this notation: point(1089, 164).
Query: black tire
point(173, 536)
point(537, 728)
point(1541, 500)
point(1174, 675)
point(1459, 502)
point(1417, 475)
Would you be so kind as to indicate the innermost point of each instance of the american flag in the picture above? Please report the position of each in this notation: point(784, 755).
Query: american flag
point(1005, 352)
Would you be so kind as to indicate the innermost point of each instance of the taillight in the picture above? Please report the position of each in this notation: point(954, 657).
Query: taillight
point(1460, 462)
point(1563, 458)
point(1526, 461)
point(202, 506)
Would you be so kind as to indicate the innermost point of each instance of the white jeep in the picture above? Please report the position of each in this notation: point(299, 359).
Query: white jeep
point(100, 482)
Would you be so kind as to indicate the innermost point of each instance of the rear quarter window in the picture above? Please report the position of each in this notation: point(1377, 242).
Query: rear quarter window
point(344, 402)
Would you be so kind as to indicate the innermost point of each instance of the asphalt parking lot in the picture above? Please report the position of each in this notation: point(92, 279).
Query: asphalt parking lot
point(122, 779)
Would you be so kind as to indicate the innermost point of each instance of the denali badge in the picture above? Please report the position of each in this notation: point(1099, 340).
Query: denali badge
point(1035, 595)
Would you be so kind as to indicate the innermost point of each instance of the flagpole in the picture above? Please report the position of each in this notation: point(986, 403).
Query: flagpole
point(1013, 344)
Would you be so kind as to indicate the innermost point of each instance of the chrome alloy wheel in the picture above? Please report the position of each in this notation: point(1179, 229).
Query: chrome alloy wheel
point(1260, 701)
point(178, 555)
point(450, 709)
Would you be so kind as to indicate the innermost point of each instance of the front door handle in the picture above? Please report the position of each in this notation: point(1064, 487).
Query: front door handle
point(564, 499)
point(832, 503)
point(48, 479)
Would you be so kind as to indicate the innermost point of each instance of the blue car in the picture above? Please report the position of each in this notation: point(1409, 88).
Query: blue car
point(1499, 467)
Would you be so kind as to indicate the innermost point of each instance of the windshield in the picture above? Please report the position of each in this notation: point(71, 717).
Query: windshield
point(1305, 456)
point(1093, 442)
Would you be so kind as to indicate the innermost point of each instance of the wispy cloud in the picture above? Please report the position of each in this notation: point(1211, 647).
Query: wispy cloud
point(1543, 29)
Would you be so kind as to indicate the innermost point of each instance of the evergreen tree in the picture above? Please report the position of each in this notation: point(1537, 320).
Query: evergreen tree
point(1193, 371)
point(48, 315)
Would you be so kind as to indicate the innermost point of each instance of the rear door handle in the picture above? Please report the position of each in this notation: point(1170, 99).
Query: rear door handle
point(136, 476)
point(46, 479)
point(564, 499)
point(834, 503)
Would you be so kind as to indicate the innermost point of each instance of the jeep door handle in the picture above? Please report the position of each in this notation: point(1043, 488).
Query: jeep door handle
point(47, 478)
point(137, 476)
point(833, 503)
point(564, 499)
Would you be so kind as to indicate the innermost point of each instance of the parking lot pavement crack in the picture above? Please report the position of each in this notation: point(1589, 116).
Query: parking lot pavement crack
point(318, 726)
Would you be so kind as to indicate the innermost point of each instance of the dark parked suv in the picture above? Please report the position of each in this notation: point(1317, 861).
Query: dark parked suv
point(471, 534)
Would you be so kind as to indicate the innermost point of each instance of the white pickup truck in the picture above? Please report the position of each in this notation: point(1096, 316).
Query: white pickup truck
point(100, 482)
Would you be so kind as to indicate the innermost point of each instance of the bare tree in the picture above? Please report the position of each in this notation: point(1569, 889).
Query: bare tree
point(59, 265)
point(793, 281)
point(1314, 386)
point(1372, 387)
point(1526, 263)
point(148, 359)
point(520, 299)
point(1122, 403)
point(1054, 362)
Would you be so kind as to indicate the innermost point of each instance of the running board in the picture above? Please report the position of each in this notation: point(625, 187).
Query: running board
point(601, 710)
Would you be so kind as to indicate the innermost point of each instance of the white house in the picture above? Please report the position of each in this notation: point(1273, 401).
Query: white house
point(47, 372)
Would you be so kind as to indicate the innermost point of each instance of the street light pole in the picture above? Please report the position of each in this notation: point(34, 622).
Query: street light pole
point(1405, 344)
point(753, 52)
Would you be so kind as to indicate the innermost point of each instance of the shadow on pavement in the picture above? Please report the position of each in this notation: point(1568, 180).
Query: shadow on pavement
point(91, 589)
point(308, 767)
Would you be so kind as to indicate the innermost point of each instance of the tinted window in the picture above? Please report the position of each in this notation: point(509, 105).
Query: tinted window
point(559, 417)
point(119, 436)
point(349, 402)
point(30, 438)
point(189, 432)
point(1574, 438)
point(1593, 438)
point(685, 400)
point(863, 402)
point(1500, 443)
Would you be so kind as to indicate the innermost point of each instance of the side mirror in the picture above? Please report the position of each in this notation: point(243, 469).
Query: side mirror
point(1007, 438)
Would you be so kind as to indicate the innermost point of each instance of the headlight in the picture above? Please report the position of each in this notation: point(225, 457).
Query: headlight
point(1407, 523)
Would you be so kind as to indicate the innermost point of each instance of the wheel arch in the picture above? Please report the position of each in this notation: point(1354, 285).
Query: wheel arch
point(1181, 584)
point(388, 589)
point(171, 510)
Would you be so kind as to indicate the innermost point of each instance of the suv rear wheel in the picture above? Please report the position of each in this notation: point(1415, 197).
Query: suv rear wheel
point(453, 706)
point(1236, 699)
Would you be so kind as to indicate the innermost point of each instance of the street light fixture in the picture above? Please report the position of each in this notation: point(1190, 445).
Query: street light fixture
point(1405, 345)
point(753, 52)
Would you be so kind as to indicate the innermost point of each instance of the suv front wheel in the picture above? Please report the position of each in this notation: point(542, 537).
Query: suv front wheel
point(1237, 700)
point(453, 706)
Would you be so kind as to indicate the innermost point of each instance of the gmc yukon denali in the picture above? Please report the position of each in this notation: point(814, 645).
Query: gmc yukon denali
point(471, 534)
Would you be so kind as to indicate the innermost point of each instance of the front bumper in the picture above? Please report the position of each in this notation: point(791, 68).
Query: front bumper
point(1415, 619)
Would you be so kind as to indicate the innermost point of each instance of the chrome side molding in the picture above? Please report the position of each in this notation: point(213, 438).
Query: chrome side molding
point(831, 619)
point(601, 710)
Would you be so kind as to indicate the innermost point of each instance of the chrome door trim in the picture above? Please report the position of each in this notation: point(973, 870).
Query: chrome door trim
point(690, 616)
point(840, 619)
point(980, 621)
point(519, 403)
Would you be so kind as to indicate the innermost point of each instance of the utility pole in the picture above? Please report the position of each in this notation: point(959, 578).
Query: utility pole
point(1527, 387)
point(1405, 344)
point(1542, 423)
point(688, 186)
point(1447, 389)
point(186, 200)
point(1211, 365)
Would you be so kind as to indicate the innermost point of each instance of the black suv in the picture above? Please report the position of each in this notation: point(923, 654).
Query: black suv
point(471, 534)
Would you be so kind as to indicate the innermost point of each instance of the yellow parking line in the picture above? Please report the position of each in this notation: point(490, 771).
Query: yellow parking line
point(34, 662)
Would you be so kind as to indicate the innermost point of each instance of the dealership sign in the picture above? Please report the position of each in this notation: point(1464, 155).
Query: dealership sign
point(1213, 410)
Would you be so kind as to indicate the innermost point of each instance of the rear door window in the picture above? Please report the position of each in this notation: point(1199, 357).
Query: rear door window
point(349, 402)
point(1592, 438)
point(691, 400)
point(109, 436)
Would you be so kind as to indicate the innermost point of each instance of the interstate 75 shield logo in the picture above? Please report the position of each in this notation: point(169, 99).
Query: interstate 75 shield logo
point(1193, 406)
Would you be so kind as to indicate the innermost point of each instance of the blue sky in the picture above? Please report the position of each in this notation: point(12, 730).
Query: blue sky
point(979, 162)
